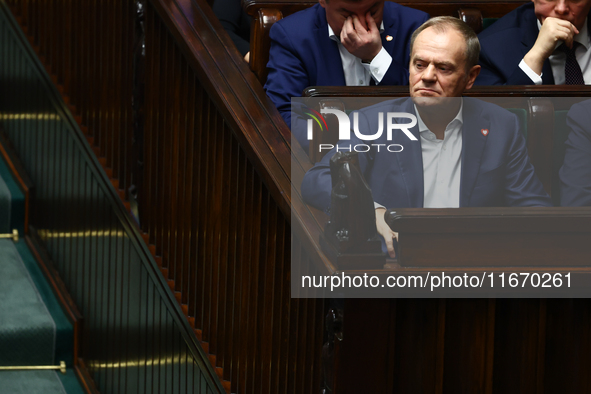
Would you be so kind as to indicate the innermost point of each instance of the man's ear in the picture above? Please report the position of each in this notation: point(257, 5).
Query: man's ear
point(472, 74)
point(323, 3)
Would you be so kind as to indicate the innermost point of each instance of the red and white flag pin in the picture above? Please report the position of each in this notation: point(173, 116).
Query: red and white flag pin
point(484, 132)
point(389, 38)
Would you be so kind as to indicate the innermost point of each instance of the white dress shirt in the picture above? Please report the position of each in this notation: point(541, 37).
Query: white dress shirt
point(558, 60)
point(442, 164)
point(358, 73)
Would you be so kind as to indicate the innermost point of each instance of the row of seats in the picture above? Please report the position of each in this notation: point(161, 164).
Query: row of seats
point(265, 13)
point(541, 110)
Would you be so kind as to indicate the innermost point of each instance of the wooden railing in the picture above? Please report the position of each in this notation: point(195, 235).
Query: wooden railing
point(134, 336)
point(208, 161)
point(90, 58)
point(212, 166)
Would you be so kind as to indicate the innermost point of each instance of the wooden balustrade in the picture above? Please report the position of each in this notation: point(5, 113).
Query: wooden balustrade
point(218, 210)
point(134, 337)
point(213, 189)
point(88, 47)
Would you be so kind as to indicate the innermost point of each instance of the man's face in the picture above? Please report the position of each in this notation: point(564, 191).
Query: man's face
point(574, 11)
point(337, 11)
point(438, 65)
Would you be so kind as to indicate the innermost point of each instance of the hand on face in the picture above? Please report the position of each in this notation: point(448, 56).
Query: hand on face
point(552, 31)
point(361, 41)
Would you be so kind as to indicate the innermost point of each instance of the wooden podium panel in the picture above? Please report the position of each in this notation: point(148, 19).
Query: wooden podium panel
point(492, 237)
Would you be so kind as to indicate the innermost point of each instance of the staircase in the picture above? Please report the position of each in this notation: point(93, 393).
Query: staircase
point(34, 329)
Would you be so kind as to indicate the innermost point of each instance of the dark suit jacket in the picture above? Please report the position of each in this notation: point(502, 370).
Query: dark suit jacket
point(302, 55)
point(496, 170)
point(575, 174)
point(503, 46)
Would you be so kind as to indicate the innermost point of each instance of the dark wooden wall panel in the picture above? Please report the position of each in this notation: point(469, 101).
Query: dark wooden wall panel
point(416, 337)
point(517, 345)
point(567, 346)
point(465, 358)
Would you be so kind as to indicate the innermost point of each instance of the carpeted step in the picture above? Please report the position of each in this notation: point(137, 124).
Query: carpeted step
point(28, 332)
point(39, 382)
point(34, 330)
point(64, 331)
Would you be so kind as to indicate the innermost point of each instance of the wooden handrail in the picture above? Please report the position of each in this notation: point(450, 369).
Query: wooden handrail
point(251, 115)
point(229, 262)
point(77, 212)
point(215, 205)
point(493, 237)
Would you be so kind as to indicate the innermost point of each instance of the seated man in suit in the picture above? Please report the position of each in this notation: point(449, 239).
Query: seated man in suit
point(465, 152)
point(543, 42)
point(575, 174)
point(339, 43)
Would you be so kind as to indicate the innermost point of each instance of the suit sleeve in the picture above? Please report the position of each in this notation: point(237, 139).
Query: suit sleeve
point(498, 70)
point(575, 174)
point(287, 76)
point(317, 184)
point(523, 188)
point(397, 73)
point(500, 54)
point(489, 76)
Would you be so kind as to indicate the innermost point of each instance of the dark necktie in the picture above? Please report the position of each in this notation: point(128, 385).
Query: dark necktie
point(572, 70)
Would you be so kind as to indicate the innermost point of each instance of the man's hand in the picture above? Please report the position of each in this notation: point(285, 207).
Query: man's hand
point(364, 43)
point(385, 231)
point(552, 31)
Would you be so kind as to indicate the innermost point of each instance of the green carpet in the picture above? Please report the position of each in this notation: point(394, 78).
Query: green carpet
point(64, 342)
point(27, 331)
point(33, 327)
point(34, 330)
point(31, 382)
point(70, 382)
point(39, 382)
